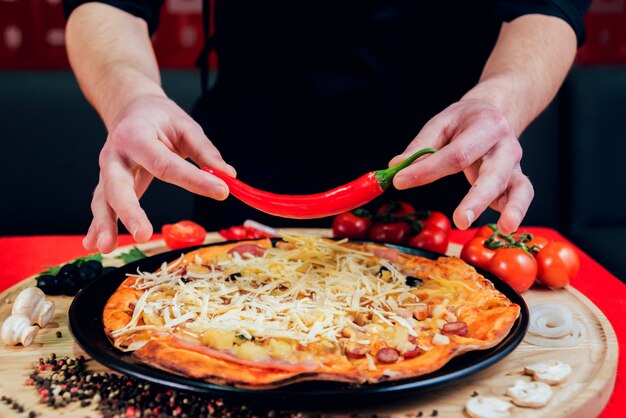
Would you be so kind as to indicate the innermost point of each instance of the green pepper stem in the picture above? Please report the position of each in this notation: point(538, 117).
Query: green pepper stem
point(385, 177)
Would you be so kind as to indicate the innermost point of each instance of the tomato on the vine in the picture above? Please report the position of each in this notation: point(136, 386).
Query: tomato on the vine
point(485, 231)
point(439, 220)
point(515, 267)
point(476, 253)
point(393, 232)
point(431, 238)
point(393, 208)
point(183, 234)
point(349, 225)
point(537, 242)
point(557, 264)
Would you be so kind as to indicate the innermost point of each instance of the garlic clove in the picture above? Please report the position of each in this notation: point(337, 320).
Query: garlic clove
point(552, 372)
point(530, 394)
point(29, 303)
point(488, 407)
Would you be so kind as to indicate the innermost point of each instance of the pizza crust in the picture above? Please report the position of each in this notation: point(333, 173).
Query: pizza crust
point(488, 322)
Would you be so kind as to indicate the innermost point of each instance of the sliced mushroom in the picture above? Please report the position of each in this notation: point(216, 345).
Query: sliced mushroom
point(530, 394)
point(552, 372)
point(488, 407)
point(31, 302)
point(17, 329)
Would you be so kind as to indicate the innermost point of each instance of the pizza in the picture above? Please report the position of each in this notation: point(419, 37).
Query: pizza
point(256, 315)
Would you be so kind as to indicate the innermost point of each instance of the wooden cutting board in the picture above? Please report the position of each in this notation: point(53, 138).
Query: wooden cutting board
point(594, 362)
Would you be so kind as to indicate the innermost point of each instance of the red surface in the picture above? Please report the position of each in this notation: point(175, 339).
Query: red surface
point(21, 257)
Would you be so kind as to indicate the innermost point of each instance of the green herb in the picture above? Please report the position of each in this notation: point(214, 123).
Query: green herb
point(54, 270)
point(133, 254)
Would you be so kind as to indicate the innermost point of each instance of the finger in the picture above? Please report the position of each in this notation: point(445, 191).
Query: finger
point(168, 166)
point(91, 239)
point(465, 150)
point(518, 198)
point(120, 195)
point(200, 149)
point(434, 134)
point(142, 181)
point(492, 181)
point(105, 223)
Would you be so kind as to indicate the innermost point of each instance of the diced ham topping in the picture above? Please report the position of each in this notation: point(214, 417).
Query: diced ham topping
point(387, 355)
point(390, 254)
point(455, 328)
point(251, 249)
point(421, 311)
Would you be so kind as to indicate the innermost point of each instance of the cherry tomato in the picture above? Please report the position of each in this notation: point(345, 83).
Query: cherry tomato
point(484, 231)
point(235, 233)
point(432, 239)
point(439, 220)
point(349, 225)
point(475, 253)
point(396, 209)
point(515, 267)
point(537, 242)
point(557, 264)
point(239, 232)
point(393, 233)
point(183, 234)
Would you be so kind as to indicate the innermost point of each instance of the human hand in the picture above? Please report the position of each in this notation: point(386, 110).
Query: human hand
point(150, 138)
point(474, 137)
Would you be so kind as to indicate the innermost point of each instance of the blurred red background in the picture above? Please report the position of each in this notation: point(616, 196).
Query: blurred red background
point(32, 36)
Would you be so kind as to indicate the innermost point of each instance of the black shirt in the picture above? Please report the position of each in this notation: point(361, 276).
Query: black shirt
point(313, 93)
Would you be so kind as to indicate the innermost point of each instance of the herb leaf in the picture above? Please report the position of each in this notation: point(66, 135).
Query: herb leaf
point(133, 254)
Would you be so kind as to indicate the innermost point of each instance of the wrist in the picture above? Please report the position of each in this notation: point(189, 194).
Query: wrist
point(123, 88)
point(509, 94)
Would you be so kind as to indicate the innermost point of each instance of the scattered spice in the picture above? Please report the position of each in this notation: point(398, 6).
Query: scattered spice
point(434, 413)
point(62, 381)
point(59, 334)
point(474, 394)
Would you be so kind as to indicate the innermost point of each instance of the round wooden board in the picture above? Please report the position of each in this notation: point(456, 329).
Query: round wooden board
point(585, 393)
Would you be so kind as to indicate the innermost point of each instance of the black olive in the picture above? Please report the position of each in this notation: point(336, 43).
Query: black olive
point(69, 271)
point(414, 281)
point(87, 275)
point(49, 284)
point(94, 265)
point(69, 286)
point(107, 270)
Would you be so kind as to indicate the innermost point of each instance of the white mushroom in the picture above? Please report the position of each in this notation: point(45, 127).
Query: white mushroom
point(31, 302)
point(488, 407)
point(530, 394)
point(552, 372)
point(18, 329)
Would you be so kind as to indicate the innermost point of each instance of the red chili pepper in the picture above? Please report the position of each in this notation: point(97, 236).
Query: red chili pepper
point(338, 200)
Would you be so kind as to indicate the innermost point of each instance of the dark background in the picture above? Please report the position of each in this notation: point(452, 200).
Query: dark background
point(574, 153)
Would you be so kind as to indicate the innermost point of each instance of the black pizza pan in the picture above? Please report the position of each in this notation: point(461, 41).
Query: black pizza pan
point(85, 320)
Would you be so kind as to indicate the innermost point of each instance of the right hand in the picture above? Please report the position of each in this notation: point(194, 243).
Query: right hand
point(150, 138)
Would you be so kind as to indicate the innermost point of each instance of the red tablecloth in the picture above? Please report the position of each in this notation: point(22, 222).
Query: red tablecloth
point(21, 257)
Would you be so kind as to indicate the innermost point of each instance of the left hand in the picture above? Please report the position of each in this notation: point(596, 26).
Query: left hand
point(472, 136)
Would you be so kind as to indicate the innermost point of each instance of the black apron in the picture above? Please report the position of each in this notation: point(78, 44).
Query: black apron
point(311, 94)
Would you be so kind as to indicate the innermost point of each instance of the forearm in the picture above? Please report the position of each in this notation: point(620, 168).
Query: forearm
point(112, 57)
point(526, 68)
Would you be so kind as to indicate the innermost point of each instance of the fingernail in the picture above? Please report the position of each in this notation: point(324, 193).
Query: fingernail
point(101, 236)
point(399, 182)
point(231, 169)
point(221, 191)
point(397, 160)
point(469, 215)
point(134, 227)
